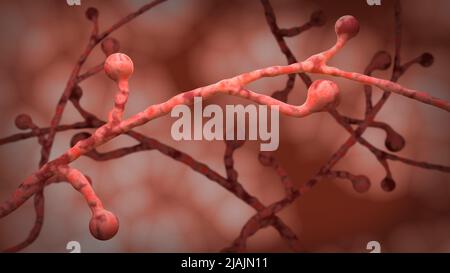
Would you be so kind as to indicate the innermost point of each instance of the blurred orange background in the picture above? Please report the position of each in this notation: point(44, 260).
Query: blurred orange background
point(164, 206)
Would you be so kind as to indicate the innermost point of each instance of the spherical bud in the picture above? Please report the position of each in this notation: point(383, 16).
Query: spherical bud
point(347, 27)
point(361, 183)
point(322, 94)
point(394, 141)
point(118, 66)
point(79, 136)
point(104, 225)
point(317, 18)
point(92, 14)
point(110, 46)
point(426, 59)
point(77, 93)
point(388, 184)
point(380, 61)
point(23, 122)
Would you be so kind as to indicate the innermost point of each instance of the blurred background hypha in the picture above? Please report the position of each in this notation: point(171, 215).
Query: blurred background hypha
point(164, 206)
